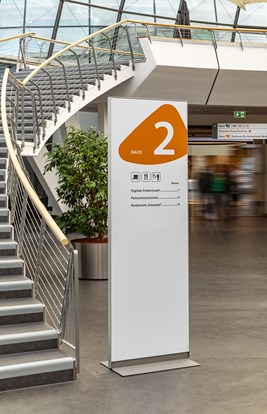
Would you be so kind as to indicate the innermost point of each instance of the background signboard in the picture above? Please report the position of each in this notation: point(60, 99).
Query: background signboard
point(241, 131)
point(148, 229)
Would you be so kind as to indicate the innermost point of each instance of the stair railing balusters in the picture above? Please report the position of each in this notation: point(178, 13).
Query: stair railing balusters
point(130, 45)
point(36, 130)
point(22, 222)
point(12, 191)
point(95, 62)
point(41, 110)
point(68, 281)
point(52, 94)
point(22, 48)
point(39, 254)
point(66, 82)
point(76, 323)
point(80, 72)
point(22, 118)
point(16, 108)
point(111, 56)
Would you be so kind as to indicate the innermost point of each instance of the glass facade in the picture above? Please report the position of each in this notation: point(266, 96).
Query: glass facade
point(74, 19)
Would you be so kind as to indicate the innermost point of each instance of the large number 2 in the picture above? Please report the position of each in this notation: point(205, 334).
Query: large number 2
point(160, 150)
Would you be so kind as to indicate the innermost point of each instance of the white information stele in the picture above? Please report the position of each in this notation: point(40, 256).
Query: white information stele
point(148, 230)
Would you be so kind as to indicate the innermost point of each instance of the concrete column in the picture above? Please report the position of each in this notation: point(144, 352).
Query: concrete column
point(103, 117)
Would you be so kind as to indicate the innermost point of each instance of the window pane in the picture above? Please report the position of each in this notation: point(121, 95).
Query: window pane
point(168, 8)
point(144, 6)
point(74, 15)
point(226, 12)
point(11, 15)
point(101, 17)
point(201, 10)
point(76, 33)
point(9, 48)
point(254, 15)
point(41, 13)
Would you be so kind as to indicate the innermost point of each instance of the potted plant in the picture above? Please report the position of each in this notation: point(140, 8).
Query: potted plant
point(82, 169)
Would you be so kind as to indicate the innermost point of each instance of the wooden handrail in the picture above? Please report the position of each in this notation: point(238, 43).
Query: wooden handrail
point(28, 188)
point(5, 39)
point(207, 28)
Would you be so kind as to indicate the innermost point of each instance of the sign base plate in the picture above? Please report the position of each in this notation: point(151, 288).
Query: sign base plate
point(139, 369)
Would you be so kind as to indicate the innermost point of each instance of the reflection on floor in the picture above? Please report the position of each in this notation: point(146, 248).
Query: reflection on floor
point(228, 325)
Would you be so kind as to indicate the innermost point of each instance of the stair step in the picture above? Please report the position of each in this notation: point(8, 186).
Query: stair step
point(11, 265)
point(35, 368)
point(12, 287)
point(14, 311)
point(27, 338)
point(3, 201)
point(6, 231)
point(3, 163)
point(4, 215)
point(8, 247)
point(2, 175)
point(2, 188)
point(3, 152)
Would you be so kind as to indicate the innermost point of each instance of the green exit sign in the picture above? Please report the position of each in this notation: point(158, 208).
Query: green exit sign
point(240, 114)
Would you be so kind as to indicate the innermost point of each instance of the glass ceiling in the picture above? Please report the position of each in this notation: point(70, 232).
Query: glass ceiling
point(56, 17)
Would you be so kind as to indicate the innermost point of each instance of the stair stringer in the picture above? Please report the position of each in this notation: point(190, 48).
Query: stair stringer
point(78, 103)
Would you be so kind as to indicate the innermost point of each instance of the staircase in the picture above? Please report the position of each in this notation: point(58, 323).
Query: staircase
point(52, 92)
point(38, 266)
point(29, 347)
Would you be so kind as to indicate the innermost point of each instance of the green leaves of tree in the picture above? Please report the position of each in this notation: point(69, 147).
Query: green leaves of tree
point(82, 169)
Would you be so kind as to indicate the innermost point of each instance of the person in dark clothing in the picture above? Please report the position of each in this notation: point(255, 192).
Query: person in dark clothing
point(205, 190)
point(219, 189)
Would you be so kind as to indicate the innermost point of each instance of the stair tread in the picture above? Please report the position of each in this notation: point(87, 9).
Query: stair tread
point(11, 259)
point(30, 363)
point(8, 242)
point(26, 332)
point(14, 278)
point(31, 357)
point(15, 281)
point(9, 304)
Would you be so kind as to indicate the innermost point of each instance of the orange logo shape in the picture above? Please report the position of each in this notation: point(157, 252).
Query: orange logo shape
point(160, 138)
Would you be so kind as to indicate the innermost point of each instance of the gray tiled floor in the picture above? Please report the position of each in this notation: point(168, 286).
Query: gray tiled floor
point(228, 324)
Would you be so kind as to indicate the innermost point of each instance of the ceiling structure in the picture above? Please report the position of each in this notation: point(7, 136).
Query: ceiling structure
point(55, 18)
point(73, 19)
